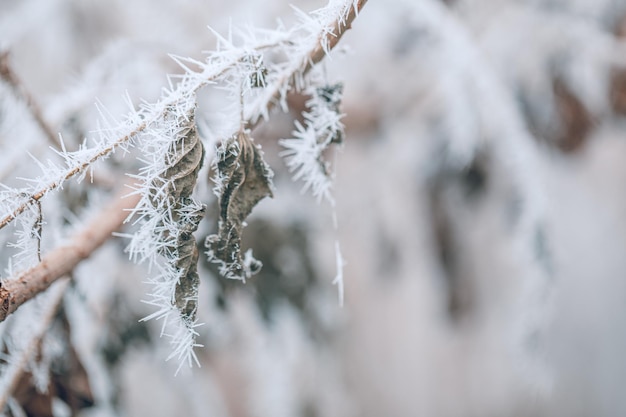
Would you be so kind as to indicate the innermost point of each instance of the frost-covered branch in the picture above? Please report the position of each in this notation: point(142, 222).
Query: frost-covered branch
point(332, 23)
point(339, 16)
point(21, 204)
point(60, 261)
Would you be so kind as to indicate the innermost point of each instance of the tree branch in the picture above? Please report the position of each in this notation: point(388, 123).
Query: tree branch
point(185, 90)
point(62, 260)
point(20, 91)
point(314, 56)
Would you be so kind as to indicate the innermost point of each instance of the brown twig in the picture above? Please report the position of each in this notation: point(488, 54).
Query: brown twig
point(313, 57)
point(332, 39)
point(62, 260)
point(20, 91)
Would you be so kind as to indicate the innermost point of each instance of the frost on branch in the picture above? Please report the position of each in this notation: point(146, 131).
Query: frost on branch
point(242, 180)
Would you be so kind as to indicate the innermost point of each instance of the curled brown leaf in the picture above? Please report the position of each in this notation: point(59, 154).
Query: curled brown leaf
point(243, 180)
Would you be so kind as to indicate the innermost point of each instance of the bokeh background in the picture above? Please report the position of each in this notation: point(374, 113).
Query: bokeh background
point(480, 207)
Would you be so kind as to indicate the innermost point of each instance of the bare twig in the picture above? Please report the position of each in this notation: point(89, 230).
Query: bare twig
point(331, 40)
point(61, 261)
point(183, 91)
point(20, 91)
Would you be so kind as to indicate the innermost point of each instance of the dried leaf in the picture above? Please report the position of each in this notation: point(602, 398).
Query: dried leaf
point(243, 179)
point(178, 181)
point(187, 288)
point(184, 161)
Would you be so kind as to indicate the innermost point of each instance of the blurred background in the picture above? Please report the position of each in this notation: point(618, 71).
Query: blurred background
point(480, 208)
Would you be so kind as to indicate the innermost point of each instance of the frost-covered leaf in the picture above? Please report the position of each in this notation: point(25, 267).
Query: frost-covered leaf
point(242, 180)
point(176, 185)
point(304, 153)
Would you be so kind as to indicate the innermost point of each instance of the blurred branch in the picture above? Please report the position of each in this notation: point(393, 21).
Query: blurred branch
point(17, 366)
point(20, 91)
point(62, 260)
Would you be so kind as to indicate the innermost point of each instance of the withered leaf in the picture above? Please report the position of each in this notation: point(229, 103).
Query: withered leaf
point(243, 180)
point(184, 161)
point(186, 293)
point(331, 95)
